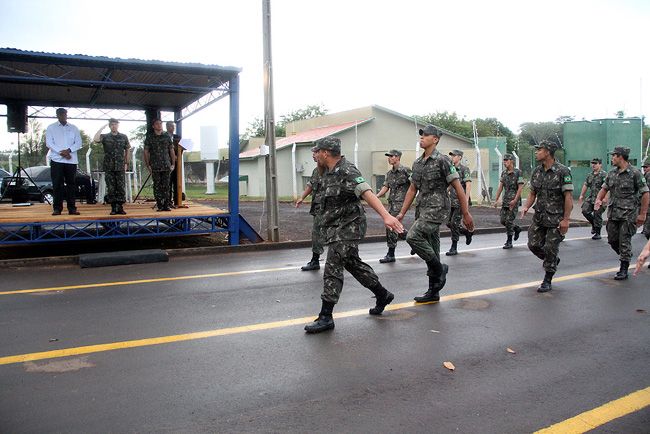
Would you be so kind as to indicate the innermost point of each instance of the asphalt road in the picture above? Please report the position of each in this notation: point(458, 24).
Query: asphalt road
point(120, 349)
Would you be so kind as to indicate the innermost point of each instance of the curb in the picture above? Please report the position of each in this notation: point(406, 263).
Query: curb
point(215, 250)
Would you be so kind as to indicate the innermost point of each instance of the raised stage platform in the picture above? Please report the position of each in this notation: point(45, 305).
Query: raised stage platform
point(36, 224)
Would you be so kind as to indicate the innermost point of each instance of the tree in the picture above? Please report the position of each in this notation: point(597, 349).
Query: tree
point(256, 127)
point(535, 132)
point(32, 146)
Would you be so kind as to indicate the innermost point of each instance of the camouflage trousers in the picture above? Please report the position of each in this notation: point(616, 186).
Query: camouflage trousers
point(544, 242)
point(508, 217)
point(344, 255)
point(454, 224)
point(161, 188)
point(424, 239)
point(619, 236)
point(595, 217)
point(115, 186)
point(392, 236)
point(318, 235)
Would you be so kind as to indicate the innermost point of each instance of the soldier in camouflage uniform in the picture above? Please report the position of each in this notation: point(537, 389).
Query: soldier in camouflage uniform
point(464, 176)
point(593, 183)
point(160, 159)
point(432, 173)
point(116, 159)
point(625, 184)
point(511, 183)
point(316, 210)
point(397, 182)
point(646, 175)
point(551, 189)
point(345, 225)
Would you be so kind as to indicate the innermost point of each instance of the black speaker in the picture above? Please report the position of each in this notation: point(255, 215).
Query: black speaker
point(17, 118)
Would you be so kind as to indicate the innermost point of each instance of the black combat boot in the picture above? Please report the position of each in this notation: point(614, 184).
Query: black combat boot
point(113, 209)
point(596, 233)
point(546, 283)
point(436, 283)
point(508, 244)
point(468, 237)
point(390, 256)
point(313, 264)
point(384, 298)
point(119, 209)
point(324, 321)
point(453, 251)
point(517, 232)
point(622, 273)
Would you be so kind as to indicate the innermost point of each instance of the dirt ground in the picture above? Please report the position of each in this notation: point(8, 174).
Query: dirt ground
point(295, 225)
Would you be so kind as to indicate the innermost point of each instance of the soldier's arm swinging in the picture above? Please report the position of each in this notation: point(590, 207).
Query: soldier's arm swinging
point(582, 192)
point(568, 206)
point(599, 198)
point(408, 200)
point(464, 208)
point(389, 221)
point(383, 191)
point(496, 198)
point(302, 197)
point(529, 202)
point(643, 210)
point(520, 188)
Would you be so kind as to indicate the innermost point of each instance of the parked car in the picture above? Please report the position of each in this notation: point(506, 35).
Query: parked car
point(42, 177)
point(3, 174)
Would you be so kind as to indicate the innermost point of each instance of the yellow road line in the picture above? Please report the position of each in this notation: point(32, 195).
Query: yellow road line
point(140, 281)
point(75, 351)
point(196, 276)
point(592, 419)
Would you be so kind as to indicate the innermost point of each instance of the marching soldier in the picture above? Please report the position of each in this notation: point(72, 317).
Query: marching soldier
point(116, 160)
point(432, 174)
point(511, 184)
point(593, 183)
point(625, 184)
point(646, 175)
point(464, 176)
point(397, 182)
point(314, 188)
point(345, 225)
point(551, 189)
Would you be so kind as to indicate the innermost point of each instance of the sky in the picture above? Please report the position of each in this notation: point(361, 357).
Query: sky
point(517, 61)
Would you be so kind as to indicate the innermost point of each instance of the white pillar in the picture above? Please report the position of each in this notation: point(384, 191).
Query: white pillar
point(293, 172)
point(209, 177)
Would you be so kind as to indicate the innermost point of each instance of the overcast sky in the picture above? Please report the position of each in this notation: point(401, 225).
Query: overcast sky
point(517, 61)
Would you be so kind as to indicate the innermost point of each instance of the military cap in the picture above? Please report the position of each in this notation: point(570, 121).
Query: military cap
point(508, 156)
point(597, 160)
point(646, 163)
point(113, 121)
point(457, 152)
point(430, 130)
point(393, 153)
point(327, 144)
point(621, 150)
point(551, 146)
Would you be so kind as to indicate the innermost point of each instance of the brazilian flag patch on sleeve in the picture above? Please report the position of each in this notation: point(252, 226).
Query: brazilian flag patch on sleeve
point(567, 179)
point(452, 169)
point(359, 180)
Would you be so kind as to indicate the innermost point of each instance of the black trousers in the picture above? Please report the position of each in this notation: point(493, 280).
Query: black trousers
point(63, 175)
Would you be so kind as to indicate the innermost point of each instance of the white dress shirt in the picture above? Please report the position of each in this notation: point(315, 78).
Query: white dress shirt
point(60, 137)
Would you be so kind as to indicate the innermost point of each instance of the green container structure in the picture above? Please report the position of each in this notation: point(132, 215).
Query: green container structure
point(584, 140)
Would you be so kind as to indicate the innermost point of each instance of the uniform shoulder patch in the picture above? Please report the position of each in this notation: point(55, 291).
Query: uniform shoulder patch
point(452, 169)
point(359, 180)
point(567, 178)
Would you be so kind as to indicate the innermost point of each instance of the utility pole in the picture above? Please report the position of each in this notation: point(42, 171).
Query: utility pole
point(273, 231)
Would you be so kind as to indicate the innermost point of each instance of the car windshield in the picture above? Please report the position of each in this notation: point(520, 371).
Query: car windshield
point(39, 173)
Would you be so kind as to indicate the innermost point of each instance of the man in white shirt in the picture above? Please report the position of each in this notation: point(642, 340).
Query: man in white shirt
point(63, 140)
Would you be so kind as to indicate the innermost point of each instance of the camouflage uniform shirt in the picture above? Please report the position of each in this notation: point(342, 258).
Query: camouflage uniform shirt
point(343, 214)
point(315, 182)
point(431, 176)
point(464, 174)
point(397, 180)
point(115, 146)
point(594, 183)
point(549, 187)
point(624, 189)
point(510, 182)
point(159, 147)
